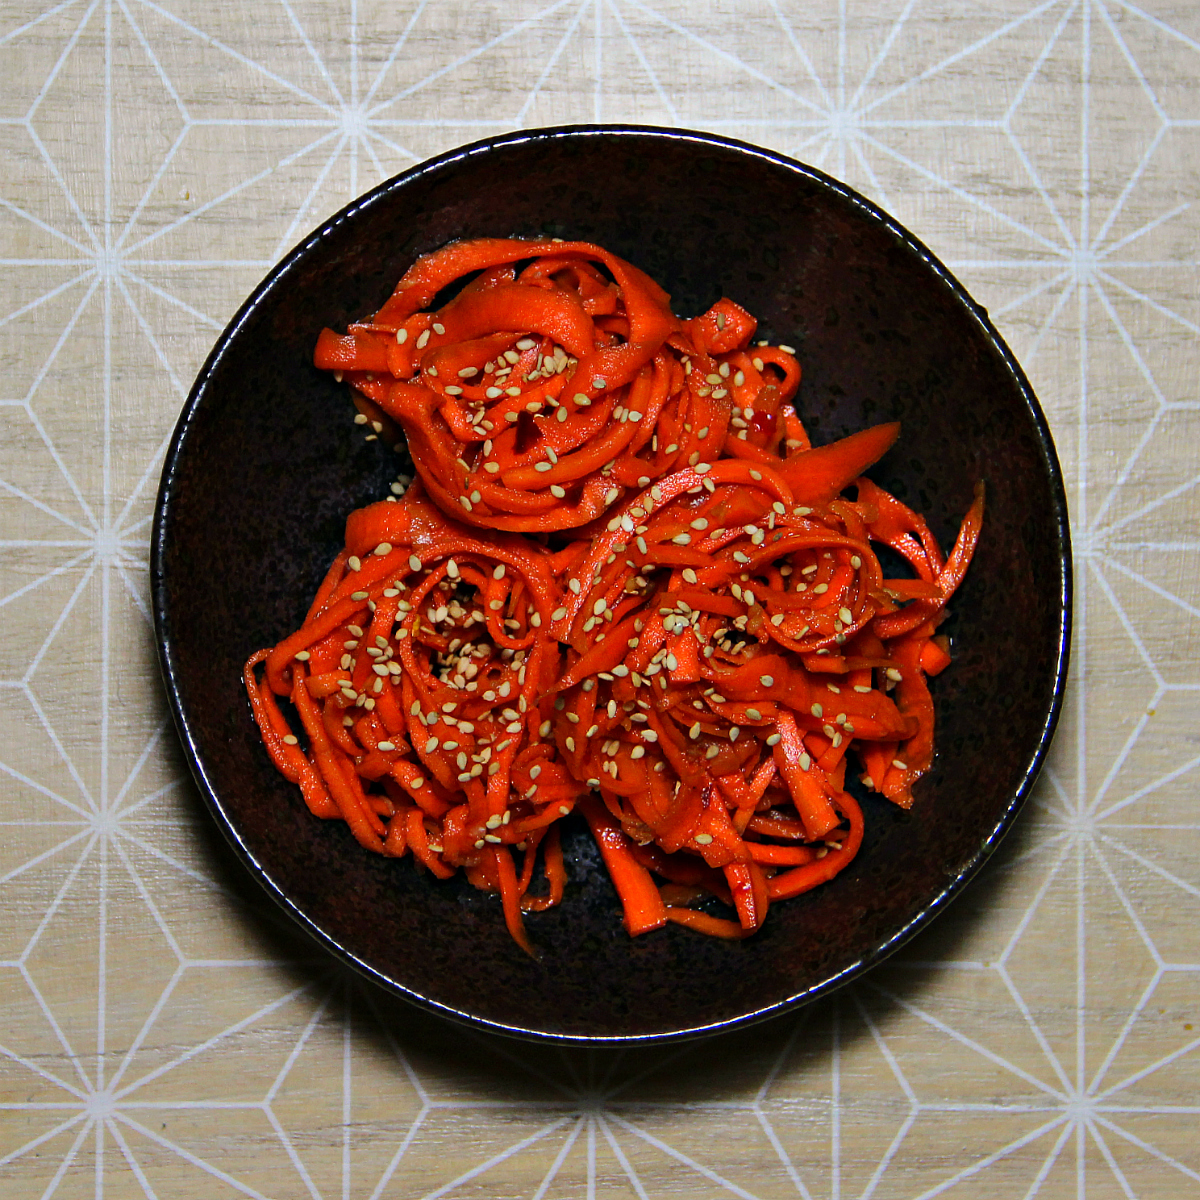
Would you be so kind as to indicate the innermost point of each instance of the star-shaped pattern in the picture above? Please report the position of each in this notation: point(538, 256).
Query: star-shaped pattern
point(162, 1036)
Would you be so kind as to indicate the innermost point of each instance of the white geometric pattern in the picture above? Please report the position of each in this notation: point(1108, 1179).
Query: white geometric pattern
point(162, 1036)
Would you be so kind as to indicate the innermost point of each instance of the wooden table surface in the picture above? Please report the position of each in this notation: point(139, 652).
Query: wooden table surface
point(161, 1036)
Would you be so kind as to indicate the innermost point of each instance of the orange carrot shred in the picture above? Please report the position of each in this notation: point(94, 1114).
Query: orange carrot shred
point(624, 582)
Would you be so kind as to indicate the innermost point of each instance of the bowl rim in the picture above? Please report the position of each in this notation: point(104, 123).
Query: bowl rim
point(277, 277)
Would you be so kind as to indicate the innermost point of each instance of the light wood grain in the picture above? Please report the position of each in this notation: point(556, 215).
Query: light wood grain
point(162, 1036)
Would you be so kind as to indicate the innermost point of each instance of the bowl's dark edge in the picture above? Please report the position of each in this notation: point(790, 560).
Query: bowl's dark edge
point(277, 277)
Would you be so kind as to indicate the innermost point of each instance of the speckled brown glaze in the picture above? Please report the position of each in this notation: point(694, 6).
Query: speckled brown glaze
point(266, 464)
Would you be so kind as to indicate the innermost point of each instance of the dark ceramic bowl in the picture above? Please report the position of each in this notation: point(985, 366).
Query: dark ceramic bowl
point(266, 464)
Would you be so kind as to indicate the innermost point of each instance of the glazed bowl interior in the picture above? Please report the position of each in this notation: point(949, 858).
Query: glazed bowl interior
point(266, 464)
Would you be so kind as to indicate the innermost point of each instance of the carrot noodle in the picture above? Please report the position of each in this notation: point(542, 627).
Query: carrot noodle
point(624, 582)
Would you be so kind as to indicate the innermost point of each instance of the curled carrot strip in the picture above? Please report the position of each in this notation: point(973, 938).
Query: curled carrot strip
point(688, 667)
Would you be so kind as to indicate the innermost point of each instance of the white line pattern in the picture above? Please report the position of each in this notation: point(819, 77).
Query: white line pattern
point(1038, 1042)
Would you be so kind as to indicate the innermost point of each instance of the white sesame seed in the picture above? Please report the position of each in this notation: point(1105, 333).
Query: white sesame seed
point(817, 710)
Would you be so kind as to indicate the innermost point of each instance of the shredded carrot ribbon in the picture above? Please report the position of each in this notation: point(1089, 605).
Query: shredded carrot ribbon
point(688, 666)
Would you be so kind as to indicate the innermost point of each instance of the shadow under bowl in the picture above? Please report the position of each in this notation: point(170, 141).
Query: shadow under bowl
point(265, 466)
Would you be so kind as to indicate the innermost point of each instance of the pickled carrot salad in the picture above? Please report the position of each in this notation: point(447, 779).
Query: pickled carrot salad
point(623, 583)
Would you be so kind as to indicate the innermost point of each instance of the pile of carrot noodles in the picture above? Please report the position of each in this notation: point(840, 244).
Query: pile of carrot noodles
point(624, 583)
